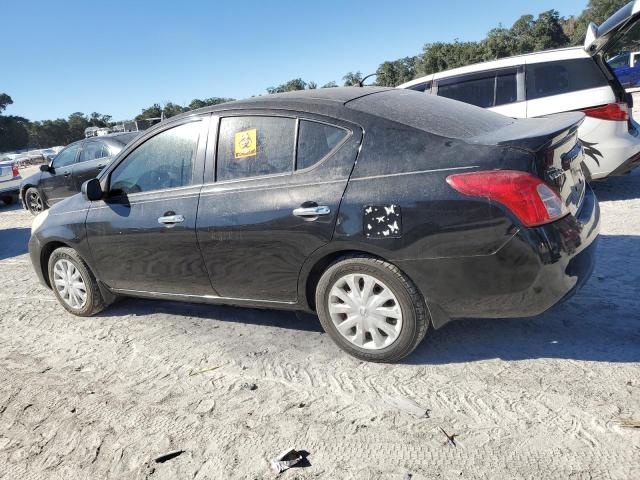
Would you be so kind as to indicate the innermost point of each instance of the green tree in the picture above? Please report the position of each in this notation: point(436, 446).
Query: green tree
point(5, 100)
point(197, 103)
point(171, 109)
point(393, 73)
point(597, 11)
point(331, 84)
point(290, 86)
point(352, 79)
point(154, 111)
point(547, 32)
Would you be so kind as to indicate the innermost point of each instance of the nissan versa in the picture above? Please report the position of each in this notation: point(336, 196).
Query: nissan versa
point(382, 210)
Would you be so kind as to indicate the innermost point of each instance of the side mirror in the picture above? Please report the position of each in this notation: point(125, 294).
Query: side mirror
point(45, 168)
point(92, 190)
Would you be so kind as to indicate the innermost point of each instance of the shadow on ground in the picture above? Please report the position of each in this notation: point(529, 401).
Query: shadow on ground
point(625, 187)
point(14, 242)
point(601, 323)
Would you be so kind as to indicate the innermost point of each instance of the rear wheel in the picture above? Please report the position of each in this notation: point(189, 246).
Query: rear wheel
point(33, 200)
point(73, 283)
point(371, 309)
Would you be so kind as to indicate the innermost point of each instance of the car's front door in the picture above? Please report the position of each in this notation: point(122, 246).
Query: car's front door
point(270, 208)
point(57, 183)
point(142, 234)
point(93, 158)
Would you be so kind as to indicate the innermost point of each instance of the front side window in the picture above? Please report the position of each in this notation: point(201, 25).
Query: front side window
point(164, 161)
point(315, 141)
point(253, 146)
point(66, 157)
point(564, 76)
point(93, 150)
point(421, 87)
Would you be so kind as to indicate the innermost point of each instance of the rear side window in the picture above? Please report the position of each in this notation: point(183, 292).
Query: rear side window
point(565, 76)
point(164, 161)
point(486, 89)
point(93, 150)
point(315, 141)
point(252, 146)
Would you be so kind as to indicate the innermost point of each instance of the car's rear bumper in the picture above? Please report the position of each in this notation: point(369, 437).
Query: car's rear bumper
point(10, 186)
point(537, 268)
point(628, 165)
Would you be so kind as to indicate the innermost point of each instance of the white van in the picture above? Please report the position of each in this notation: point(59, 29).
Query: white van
point(557, 81)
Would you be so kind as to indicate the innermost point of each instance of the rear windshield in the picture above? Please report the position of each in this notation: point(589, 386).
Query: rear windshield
point(437, 115)
point(565, 76)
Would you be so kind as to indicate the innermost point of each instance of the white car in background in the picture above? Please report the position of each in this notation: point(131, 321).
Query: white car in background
point(557, 81)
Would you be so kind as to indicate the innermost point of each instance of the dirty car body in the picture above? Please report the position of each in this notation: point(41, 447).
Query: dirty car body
point(390, 181)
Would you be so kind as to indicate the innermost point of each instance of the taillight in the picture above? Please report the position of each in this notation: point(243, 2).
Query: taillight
point(528, 197)
point(612, 111)
point(14, 168)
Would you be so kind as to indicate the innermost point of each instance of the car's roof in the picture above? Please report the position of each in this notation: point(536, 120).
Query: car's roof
point(320, 96)
point(528, 58)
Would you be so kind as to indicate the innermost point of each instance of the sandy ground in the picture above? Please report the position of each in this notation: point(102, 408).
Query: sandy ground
point(527, 398)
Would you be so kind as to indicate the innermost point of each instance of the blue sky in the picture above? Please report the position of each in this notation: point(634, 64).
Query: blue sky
point(117, 57)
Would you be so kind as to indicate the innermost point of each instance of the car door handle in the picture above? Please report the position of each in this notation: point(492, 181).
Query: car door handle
point(101, 166)
point(171, 220)
point(66, 174)
point(307, 212)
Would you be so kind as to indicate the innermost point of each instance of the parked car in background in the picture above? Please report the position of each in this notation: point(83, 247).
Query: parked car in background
point(64, 175)
point(450, 211)
point(50, 153)
point(9, 181)
point(570, 79)
point(626, 68)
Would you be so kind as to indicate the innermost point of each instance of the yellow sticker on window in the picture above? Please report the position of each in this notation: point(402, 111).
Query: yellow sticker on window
point(245, 144)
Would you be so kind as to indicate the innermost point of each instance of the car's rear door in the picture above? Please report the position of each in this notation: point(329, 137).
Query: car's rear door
point(279, 180)
point(93, 158)
point(142, 235)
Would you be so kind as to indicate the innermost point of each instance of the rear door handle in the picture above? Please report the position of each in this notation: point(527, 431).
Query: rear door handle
point(171, 220)
point(66, 174)
point(101, 166)
point(310, 212)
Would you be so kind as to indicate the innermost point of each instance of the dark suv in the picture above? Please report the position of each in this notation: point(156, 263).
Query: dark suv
point(63, 176)
point(382, 210)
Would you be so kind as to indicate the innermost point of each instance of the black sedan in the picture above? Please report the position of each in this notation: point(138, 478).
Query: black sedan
point(63, 176)
point(384, 211)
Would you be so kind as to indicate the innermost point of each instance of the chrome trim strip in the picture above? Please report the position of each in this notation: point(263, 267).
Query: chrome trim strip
point(416, 172)
point(207, 297)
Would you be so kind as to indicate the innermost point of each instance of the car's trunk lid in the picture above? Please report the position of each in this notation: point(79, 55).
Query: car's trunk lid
point(557, 153)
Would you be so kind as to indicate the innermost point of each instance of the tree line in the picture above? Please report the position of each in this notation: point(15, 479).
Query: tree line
point(527, 34)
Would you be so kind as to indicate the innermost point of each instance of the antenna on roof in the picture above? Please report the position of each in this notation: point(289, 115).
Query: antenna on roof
point(361, 82)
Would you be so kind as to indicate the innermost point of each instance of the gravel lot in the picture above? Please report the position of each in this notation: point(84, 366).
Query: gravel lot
point(545, 397)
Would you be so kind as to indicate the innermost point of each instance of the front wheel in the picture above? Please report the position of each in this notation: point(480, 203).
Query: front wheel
point(371, 309)
point(33, 200)
point(74, 285)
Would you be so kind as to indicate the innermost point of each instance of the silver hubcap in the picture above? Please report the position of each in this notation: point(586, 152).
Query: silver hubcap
point(365, 311)
point(34, 202)
point(69, 283)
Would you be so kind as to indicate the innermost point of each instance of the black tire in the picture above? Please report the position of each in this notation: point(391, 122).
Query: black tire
point(94, 302)
point(34, 201)
point(415, 318)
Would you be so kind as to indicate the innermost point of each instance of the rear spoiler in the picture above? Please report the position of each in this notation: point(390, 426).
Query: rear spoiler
point(533, 134)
